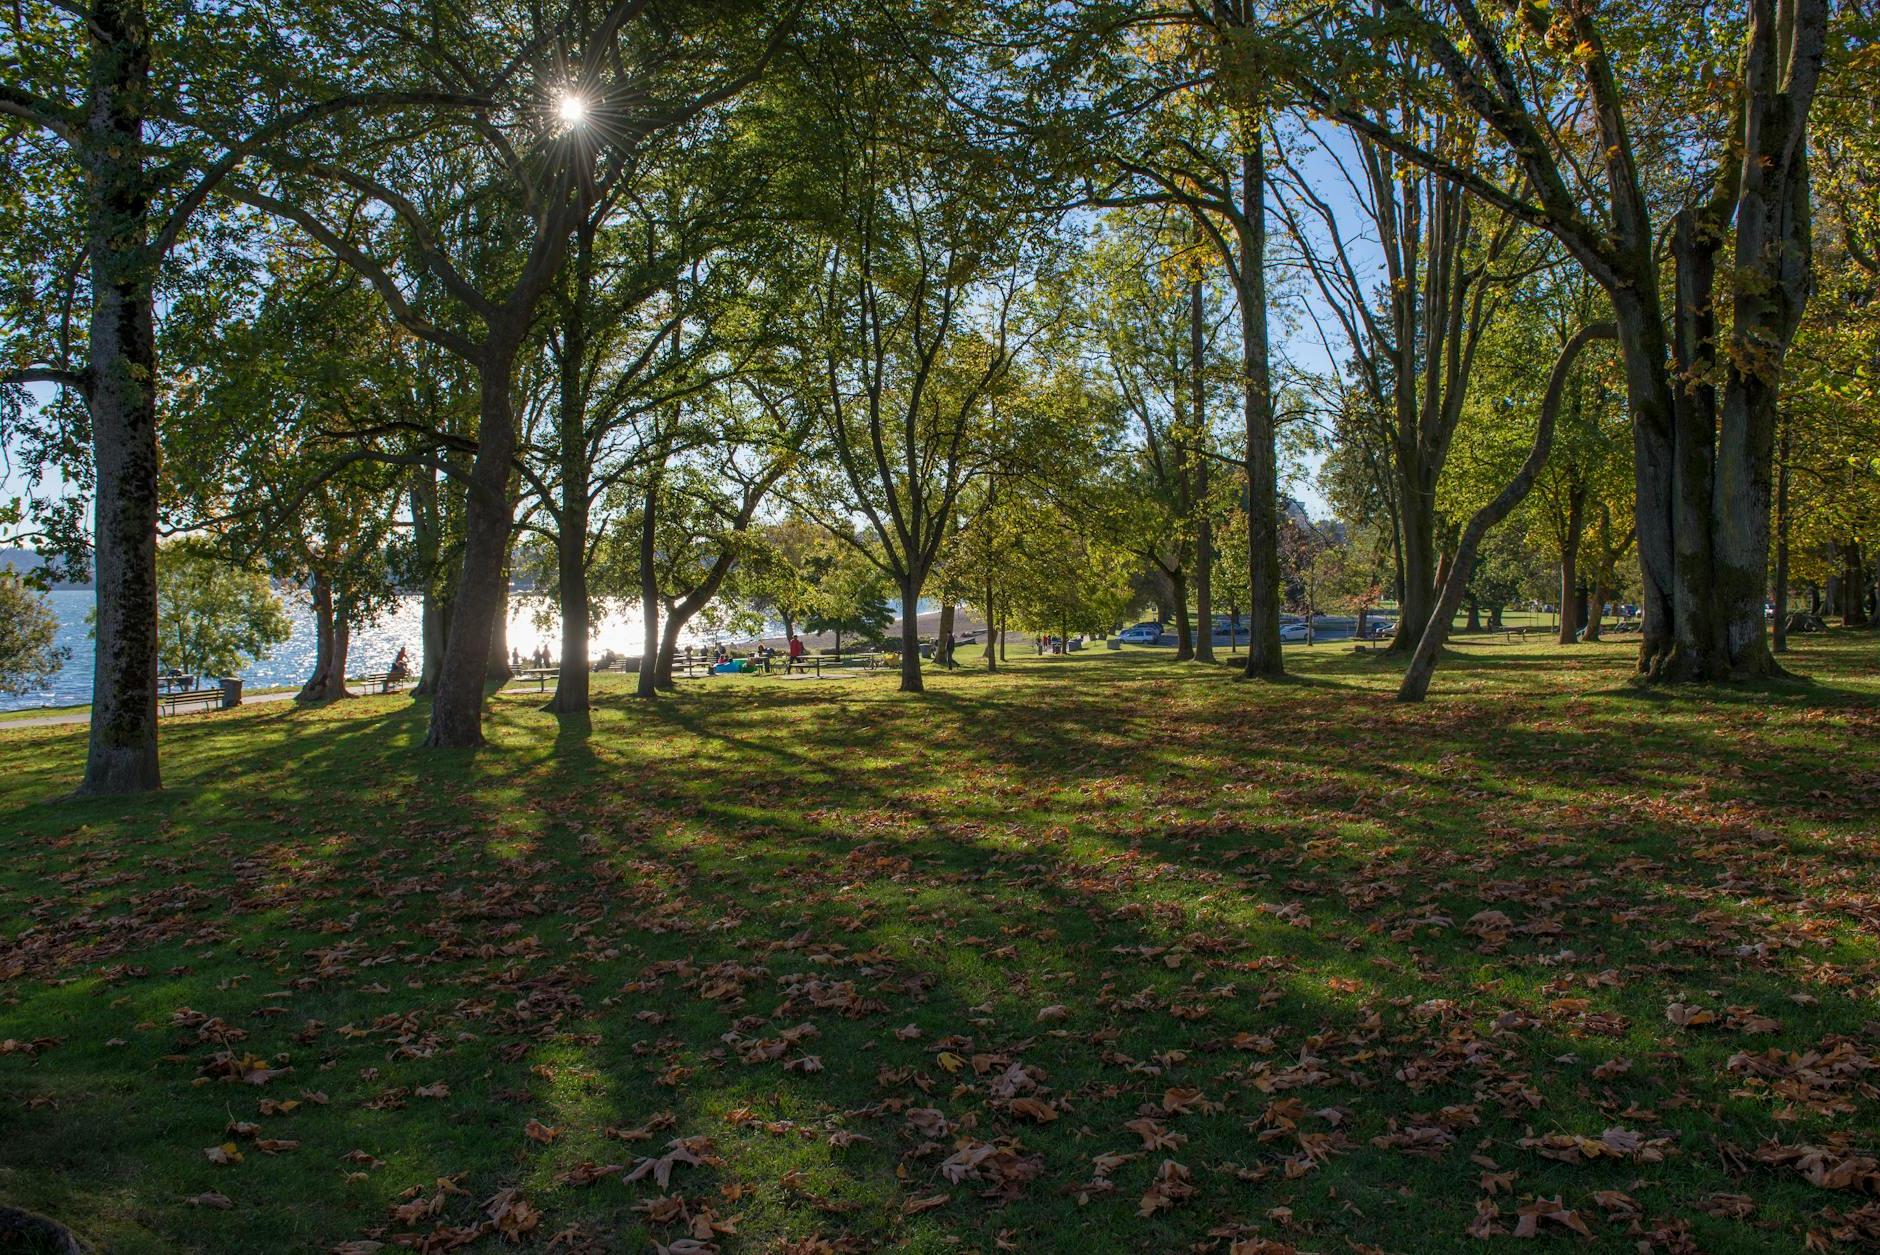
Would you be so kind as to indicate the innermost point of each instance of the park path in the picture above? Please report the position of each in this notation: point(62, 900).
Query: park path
point(84, 715)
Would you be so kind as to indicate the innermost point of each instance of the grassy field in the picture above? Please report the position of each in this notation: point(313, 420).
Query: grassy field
point(1102, 953)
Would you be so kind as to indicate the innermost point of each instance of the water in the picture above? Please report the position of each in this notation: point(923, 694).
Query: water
point(372, 649)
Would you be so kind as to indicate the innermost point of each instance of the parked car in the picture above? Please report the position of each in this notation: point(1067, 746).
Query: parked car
point(1295, 631)
point(1141, 634)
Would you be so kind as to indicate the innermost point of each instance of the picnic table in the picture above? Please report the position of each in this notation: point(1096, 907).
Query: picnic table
point(541, 676)
point(176, 682)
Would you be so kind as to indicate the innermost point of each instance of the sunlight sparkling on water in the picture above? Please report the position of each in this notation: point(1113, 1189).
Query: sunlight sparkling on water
point(373, 647)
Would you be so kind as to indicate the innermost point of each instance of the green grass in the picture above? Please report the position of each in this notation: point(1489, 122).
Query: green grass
point(1354, 963)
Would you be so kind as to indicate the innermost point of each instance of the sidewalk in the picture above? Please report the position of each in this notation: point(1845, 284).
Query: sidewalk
point(83, 715)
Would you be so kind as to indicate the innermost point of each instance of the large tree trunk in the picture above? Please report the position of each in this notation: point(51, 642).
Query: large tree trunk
point(1416, 680)
point(500, 672)
point(1263, 647)
point(647, 682)
point(1780, 597)
point(1648, 396)
point(342, 647)
point(1417, 527)
point(328, 679)
point(434, 611)
point(457, 710)
point(427, 540)
point(1204, 524)
point(1184, 627)
point(1694, 422)
point(121, 375)
point(685, 609)
point(571, 684)
point(1715, 566)
point(668, 648)
point(1853, 585)
point(322, 598)
point(1570, 623)
point(910, 634)
point(992, 618)
point(1774, 244)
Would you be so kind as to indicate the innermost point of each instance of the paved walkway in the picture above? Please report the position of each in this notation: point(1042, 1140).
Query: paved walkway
point(83, 715)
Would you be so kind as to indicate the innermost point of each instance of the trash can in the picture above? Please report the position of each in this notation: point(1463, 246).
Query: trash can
point(231, 693)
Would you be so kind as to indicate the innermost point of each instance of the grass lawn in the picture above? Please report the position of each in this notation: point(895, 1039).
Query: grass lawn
point(1100, 954)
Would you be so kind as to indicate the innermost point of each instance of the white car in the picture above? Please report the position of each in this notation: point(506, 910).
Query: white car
point(1141, 634)
point(1292, 631)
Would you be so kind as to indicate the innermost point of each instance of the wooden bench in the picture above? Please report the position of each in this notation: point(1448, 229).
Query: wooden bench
point(381, 681)
point(207, 699)
point(176, 682)
point(861, 662)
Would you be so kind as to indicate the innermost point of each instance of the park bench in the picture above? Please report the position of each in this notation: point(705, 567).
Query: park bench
point(818, 663)
point(378, 681)
point(1518, 631)
point(176, 682)
point(176, 700)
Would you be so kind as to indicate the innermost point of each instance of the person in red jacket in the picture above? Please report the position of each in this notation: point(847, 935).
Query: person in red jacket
point(796, 655)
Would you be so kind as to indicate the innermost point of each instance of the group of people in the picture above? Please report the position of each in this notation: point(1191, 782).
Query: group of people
point(796, 656)
point(763, 655)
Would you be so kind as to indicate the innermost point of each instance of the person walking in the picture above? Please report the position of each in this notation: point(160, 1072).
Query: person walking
point(796, 655)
